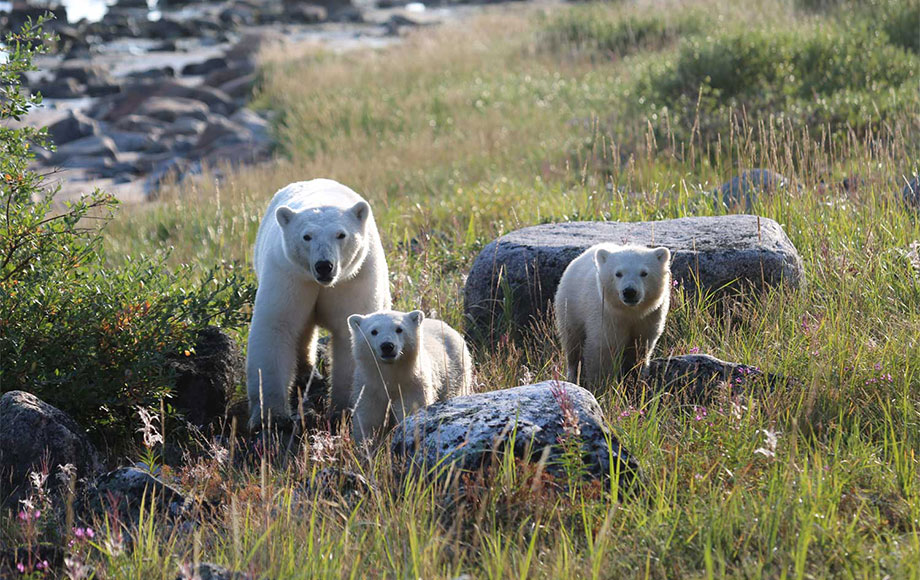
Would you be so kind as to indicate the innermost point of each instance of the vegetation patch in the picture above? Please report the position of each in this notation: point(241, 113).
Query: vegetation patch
point(90, 339)
point(822, 75)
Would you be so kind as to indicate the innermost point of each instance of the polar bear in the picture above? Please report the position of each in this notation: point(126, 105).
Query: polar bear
point(403, 362)
point(610, 309)
point(318, 260)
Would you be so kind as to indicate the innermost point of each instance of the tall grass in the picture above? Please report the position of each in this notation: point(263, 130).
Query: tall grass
point(467, 132)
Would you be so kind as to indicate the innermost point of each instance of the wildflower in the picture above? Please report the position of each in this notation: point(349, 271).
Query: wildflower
point(694, 350)
point(21, 567)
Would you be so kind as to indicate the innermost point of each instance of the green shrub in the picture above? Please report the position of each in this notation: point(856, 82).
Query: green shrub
point(90, 339)
point(594, 28)
point(823, 75)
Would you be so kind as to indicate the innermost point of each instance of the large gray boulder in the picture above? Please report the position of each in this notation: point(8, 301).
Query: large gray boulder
point(34, 435)
point(514, 278)
point(467, 431)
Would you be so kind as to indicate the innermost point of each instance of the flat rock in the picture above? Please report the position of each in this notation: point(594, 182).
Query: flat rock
point(171, 108)
point(742, 190)
point(717, 253)
point(67, 88)
point(202, 68)
point(127, 488)
point(74, 126)
point(221, 132)
point(701, 378)
point(34, 433)
point(133, 100)
point(93, 145)
point(140, 124)
point(131, 140)
point(233, 71)
point(468, 431)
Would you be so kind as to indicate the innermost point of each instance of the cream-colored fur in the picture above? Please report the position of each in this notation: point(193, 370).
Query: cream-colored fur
point(610, 309)
point(403, 362)
point(318, 260)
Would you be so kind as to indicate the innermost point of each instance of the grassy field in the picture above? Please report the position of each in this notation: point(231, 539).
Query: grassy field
point(602, 112)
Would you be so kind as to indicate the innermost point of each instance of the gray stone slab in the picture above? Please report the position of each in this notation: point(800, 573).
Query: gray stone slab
point(514, 278)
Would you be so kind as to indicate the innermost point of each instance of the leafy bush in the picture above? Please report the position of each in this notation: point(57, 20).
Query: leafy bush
point(89, 339)
point(837, 76)
point(596, 29)
point(898, 19)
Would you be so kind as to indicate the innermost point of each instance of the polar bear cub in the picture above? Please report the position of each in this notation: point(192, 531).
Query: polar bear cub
point(610, 308)
point(318, 260)
point(403, 362)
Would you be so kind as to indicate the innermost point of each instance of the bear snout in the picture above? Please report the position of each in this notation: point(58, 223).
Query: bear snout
point(630, 296)
point(387, 350)
point(323, 269)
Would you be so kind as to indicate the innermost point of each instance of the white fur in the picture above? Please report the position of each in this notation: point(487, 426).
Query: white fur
point(293, 298)
point(603, 336)
point(429, 362)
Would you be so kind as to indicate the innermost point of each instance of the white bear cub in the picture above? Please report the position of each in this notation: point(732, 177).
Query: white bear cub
point(610, 308)
point(318, 260)
point(403, 362)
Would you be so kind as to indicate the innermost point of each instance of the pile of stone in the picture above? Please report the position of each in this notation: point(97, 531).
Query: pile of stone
point(156, 123)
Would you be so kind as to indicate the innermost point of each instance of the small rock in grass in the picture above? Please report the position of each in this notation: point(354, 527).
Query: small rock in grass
point(701, 378)
point(742, 190)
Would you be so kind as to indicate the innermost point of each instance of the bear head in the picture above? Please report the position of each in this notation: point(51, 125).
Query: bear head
point(633, 277)
point(387, 336)
point(327, 243)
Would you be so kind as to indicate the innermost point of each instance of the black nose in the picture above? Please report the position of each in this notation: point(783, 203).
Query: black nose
point(630, 296)
point(387, 347)
point(324, 268)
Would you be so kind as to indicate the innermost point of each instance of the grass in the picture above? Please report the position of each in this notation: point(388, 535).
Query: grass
point(466, 132)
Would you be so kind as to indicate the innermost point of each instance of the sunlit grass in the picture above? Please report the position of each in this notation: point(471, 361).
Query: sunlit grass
point(468, 132)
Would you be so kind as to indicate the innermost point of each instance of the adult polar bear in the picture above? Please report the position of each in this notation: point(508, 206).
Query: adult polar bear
point(318, 260)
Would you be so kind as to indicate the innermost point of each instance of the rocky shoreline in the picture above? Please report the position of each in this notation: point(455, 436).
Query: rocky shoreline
point(143, 96)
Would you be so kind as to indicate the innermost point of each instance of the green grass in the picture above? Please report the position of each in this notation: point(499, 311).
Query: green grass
point(465, 133)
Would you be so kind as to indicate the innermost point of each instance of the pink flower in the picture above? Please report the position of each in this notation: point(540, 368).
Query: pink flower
point(21, 567)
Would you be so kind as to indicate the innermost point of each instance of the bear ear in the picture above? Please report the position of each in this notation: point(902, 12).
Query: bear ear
point(416, 316)
point(361, 210)
point(600, 256)
point(354, 321)
point(284, 215)
point(662, 254)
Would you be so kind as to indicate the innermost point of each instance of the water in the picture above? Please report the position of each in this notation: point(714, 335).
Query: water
point(92, 10)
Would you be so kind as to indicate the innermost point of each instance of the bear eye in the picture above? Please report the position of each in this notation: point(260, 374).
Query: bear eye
point(307, 237)
point(619, 274)
point(398, 330)
point(341, 236)
point(373, 333)
point(643, 273)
